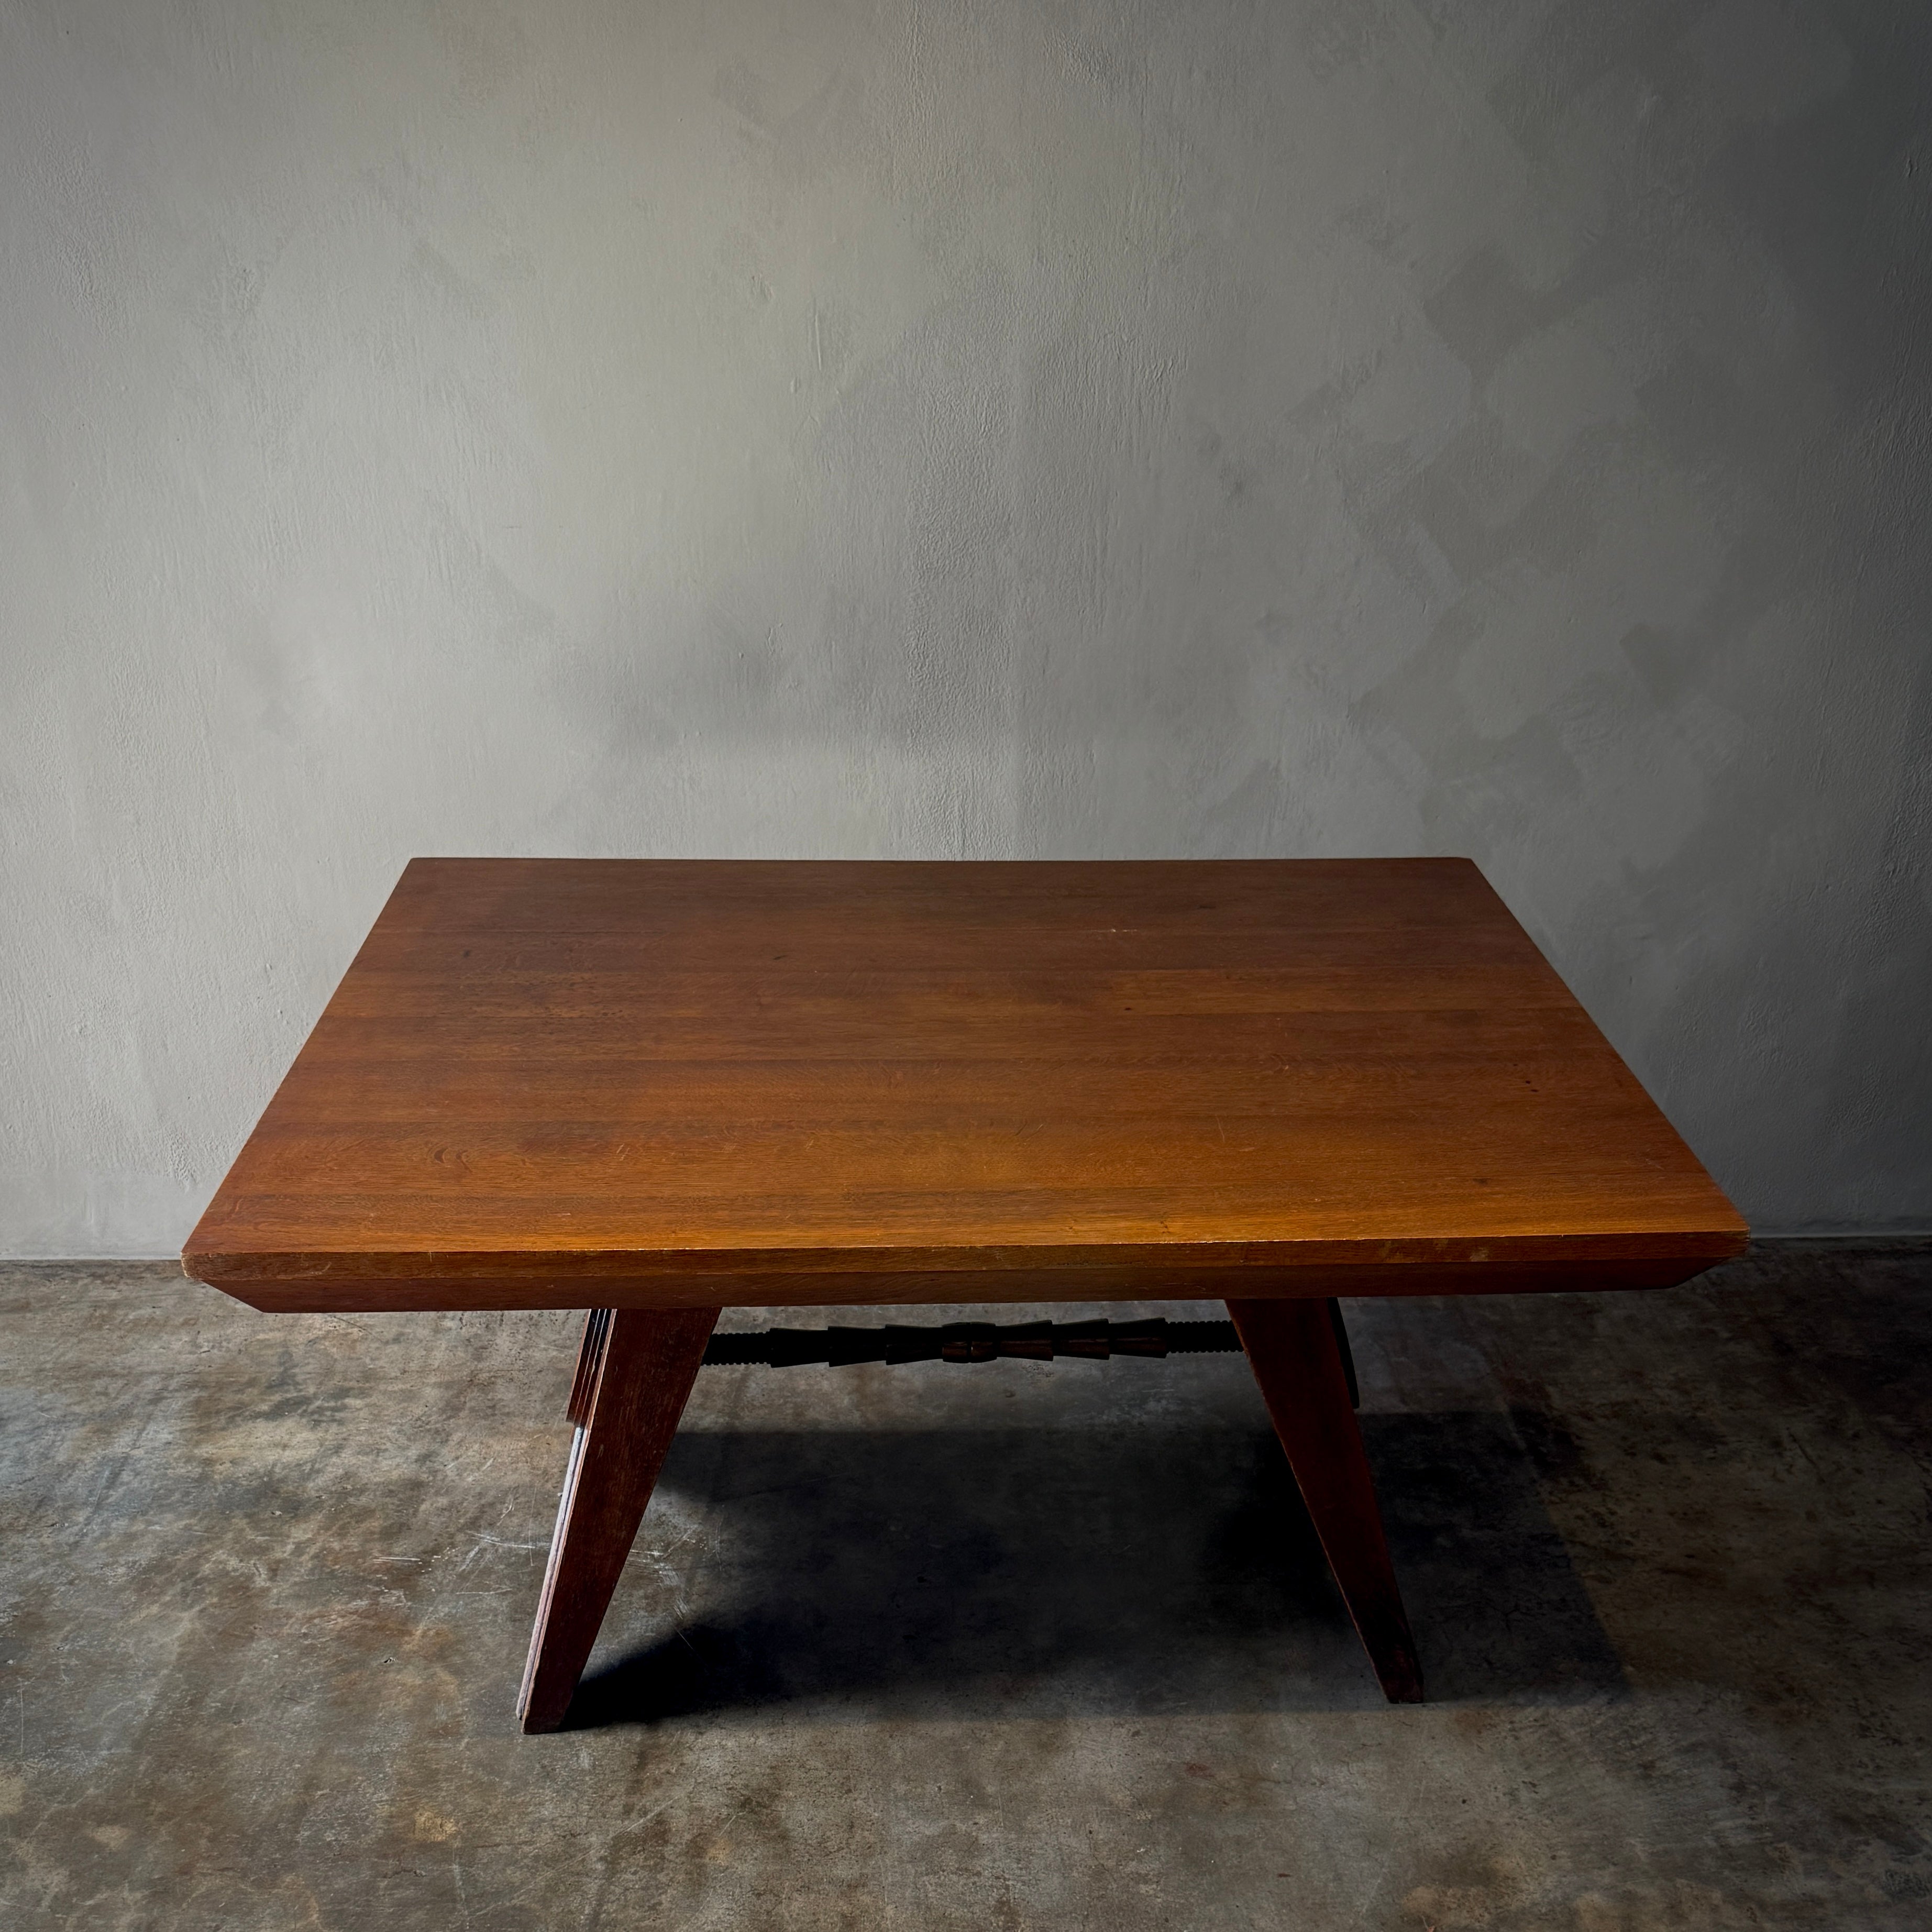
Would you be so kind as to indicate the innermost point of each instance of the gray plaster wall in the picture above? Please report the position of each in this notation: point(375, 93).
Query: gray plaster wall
point(965, 429)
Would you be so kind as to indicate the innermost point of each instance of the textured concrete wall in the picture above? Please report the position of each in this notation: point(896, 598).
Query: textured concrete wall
point(965, 429)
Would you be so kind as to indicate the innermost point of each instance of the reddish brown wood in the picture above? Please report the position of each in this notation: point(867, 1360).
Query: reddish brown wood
point(648, 1361)
point(1292, 1349)
point(589, 1359)
point(666, 1086)
point(547, 1082)
point(1048, 1282)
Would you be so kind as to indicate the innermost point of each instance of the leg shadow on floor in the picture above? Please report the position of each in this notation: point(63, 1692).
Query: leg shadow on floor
point(1045, 1572)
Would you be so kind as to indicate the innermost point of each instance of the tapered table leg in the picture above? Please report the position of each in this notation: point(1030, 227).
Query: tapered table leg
point(1292, 1347)
point(633, 1374)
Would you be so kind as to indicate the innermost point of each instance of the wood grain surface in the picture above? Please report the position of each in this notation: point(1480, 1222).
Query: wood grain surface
point(562, 1082)
point(640, 1372)
point(1295, 1349)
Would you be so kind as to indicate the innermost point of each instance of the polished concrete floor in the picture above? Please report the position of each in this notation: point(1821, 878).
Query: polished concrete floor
point(1014, 1645)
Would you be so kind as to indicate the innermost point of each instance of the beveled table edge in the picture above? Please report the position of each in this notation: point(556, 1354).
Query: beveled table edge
point(367, 1283)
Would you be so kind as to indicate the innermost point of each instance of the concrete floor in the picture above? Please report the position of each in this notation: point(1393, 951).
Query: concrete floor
point(1011, 1645)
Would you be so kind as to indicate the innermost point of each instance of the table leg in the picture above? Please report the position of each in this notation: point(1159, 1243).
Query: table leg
point(633, 1374)
point(1292, 1348)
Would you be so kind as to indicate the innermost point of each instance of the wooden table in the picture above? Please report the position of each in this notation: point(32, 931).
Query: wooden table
point(667, 1088)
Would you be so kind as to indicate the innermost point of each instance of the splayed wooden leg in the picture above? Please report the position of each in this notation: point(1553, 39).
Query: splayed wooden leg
point(1292, 1347)
point(634, 1373)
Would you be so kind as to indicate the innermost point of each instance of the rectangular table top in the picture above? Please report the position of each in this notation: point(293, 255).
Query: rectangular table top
point(617, 1082)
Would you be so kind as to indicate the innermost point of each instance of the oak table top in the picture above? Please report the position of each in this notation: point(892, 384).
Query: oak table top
point(553, 1083)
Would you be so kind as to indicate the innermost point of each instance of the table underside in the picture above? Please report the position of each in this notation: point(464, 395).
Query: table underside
point(363, 1293)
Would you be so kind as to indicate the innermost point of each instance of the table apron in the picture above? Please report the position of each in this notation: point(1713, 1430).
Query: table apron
point(350, 1294)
